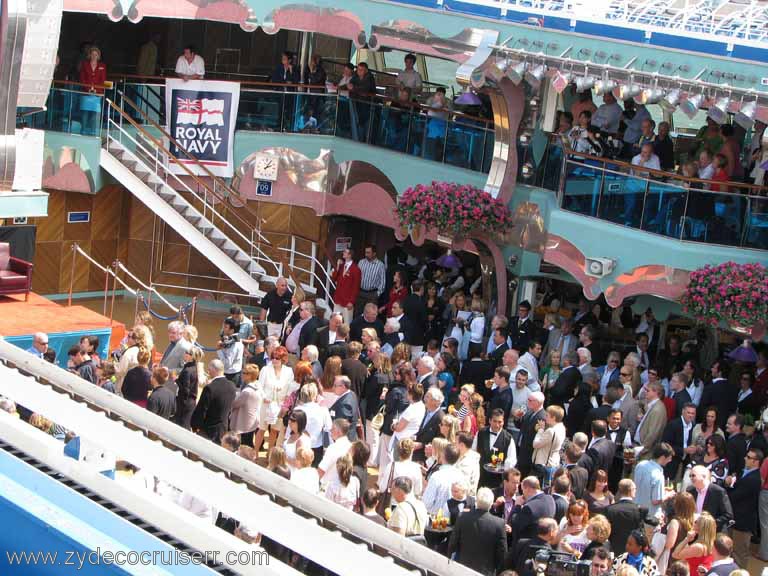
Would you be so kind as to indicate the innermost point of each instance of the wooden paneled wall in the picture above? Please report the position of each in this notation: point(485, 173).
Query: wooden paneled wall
point(122, 227)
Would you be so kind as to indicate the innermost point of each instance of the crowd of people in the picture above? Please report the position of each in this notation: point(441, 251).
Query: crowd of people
point(718, 153)
point(497, 441)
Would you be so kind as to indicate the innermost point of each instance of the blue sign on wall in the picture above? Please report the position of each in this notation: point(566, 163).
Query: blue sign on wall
point(264, 188)
point(75, 217)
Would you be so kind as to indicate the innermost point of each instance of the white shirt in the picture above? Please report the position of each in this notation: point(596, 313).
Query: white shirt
point(686, 430)
point(414, 414)
point(531, 365)
point(707, 172)
point(403, 469)
point(510, 458)
point(611, 435)
point(608, 117)
point(328, 464)
point(187, 68)
point(439, 487)
point(652, 163)
point(744, 394)
point(476, 329)
point(605, 379)
point(307, 479)
point(695, 391)
point(318, 421)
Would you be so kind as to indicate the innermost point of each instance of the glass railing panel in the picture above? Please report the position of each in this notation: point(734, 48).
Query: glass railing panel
point(149, 98)
point(583, 182)
point(551, 169)
point(417, 135)
point(435, 137)
point(465, 145)
point(622, 197)
point(715, 217)
point(664, 209)
point(756, 235)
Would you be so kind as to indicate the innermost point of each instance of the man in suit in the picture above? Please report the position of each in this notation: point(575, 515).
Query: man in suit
point(622, 437)
point(425, 370)
point(479, 538)
point(678, 392)
point(566, 384)
point(583, 317)
point(561, 492)
point(533, 415)
point(678, 434)
point(500, 346)
point(353, 368)
point(601, 450)
point(651, 427)
point(587, 340)
point(722, 563)
point(530, 507)
point(604, 410)
point(561, 339)
point(173, 357)
point(211, 415)
point(416, 312)
point(630, 408)
point(744, 494)
point(305, 331)
point(577, 474)
point(490, 437)
point(736, 446)
point(624, 515)
point(710, 497)
point(459, 502)
point(505, 496)
point(347, 277)
point(328, 336)
point(430, 425)
point(501, 393)
point(525, 549)
point(714, 392)
point(477, 370)
point(521, 328)
point(346, 405)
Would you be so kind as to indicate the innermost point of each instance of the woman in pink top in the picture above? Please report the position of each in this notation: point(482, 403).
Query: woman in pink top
point(696, 547)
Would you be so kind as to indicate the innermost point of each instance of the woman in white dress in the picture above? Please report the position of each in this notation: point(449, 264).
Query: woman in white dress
point(410, 420)
point(296, 438)
point(304, 475)
point(276, 381)
point(344, 489)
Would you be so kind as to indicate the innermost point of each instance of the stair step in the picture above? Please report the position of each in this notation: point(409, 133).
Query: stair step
point(219, 241)
point(232, 253)
point(194, 220)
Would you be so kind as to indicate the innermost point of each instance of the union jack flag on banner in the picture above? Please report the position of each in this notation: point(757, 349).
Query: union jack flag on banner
point(201, 116)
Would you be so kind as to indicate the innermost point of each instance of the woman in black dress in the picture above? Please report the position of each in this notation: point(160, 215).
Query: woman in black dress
point(188, 382)
point(434, 305)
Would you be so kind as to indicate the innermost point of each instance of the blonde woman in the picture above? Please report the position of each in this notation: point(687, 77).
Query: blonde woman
point(367, 336)
point(189, 333)
point(140, 338)
point(331, 370)
point(246, 407)
point(434, 453)
point(449, 428)
point(696, 548)
point(551, 373)
point(190, 382)
point(276, 381)
point(465, 413)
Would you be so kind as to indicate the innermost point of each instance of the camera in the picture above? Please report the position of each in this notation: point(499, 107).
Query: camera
point(227, 341)
point(547, 562)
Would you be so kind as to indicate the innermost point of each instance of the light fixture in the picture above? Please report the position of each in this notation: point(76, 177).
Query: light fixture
point(671, 100)
point(496, 70)
point(650, 96)
point(691, 105)
point(719, 112)
point(745, 117)
point(468, 98)
point(627, 91)
point(516, 72)
point(584, 83)
point(535, 75)
point(604, 85)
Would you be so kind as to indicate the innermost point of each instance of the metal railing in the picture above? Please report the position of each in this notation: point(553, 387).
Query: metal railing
point(691, 209)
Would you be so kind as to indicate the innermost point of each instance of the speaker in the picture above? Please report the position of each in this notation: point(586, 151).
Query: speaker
point(598, 267)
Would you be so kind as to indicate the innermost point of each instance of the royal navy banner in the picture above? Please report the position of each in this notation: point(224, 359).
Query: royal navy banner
point(201, 116)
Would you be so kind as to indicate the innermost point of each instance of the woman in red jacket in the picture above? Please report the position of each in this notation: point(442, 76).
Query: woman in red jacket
point(93, 74)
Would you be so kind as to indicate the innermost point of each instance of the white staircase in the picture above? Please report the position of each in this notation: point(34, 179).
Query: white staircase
point(137, 161)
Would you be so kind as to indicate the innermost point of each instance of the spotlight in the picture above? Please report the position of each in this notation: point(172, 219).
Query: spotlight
point(604, 86)
point(535, 75)
point(746, 116)
point(650, 96)
point(691, 105)
point(584, 83)
point(627, 91)
point(496, 71)
point(719, 112)
point(517, 72)
point(671, 100)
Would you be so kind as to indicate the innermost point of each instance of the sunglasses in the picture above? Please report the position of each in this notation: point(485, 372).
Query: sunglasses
point(625, 374)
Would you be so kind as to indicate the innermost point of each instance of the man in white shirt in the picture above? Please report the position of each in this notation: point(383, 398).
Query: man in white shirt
point(469, 461)
point(530, 361)
point(190, 66)
point(439, 486)
point(230, 352)
point(318, 418)
point(647, 158)
point(409, 517)
point(510, 361)
point(496, 323)
point(340, 447)
point(409, 77)
point(608, 116)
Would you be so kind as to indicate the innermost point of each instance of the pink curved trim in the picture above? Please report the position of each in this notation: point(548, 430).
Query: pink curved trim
point(70, 178)
point(564, 254)
point(656, 280)
point(337, 23)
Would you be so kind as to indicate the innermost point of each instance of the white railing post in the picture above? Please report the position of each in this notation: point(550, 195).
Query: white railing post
point(312, 265)
point(293, 251)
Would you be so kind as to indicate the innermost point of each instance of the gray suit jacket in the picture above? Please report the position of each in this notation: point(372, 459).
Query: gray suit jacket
point(553, 339)
point(173, 359)
point(652, 428)
point(630, 408)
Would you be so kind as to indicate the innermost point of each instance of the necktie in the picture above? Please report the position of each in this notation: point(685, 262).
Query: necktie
point(427, 417)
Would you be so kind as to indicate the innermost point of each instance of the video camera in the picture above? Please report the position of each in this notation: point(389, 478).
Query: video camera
point(548, 562)
point(227, 341)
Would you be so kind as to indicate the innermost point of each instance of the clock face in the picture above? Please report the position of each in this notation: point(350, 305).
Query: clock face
point(265, 167)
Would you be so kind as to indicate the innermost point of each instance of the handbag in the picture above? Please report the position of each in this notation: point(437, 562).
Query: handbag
point(540, 470)
point(385, 500)
point(378, 420)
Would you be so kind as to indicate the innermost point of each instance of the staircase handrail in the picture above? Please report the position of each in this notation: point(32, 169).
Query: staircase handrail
point(147, 287)
point(216, 179)
point(164, 150)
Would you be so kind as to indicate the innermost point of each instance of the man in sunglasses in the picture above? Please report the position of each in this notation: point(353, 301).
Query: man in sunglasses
point(39, 344)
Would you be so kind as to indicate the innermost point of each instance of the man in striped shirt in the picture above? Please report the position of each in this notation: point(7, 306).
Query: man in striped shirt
point(374, 277)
